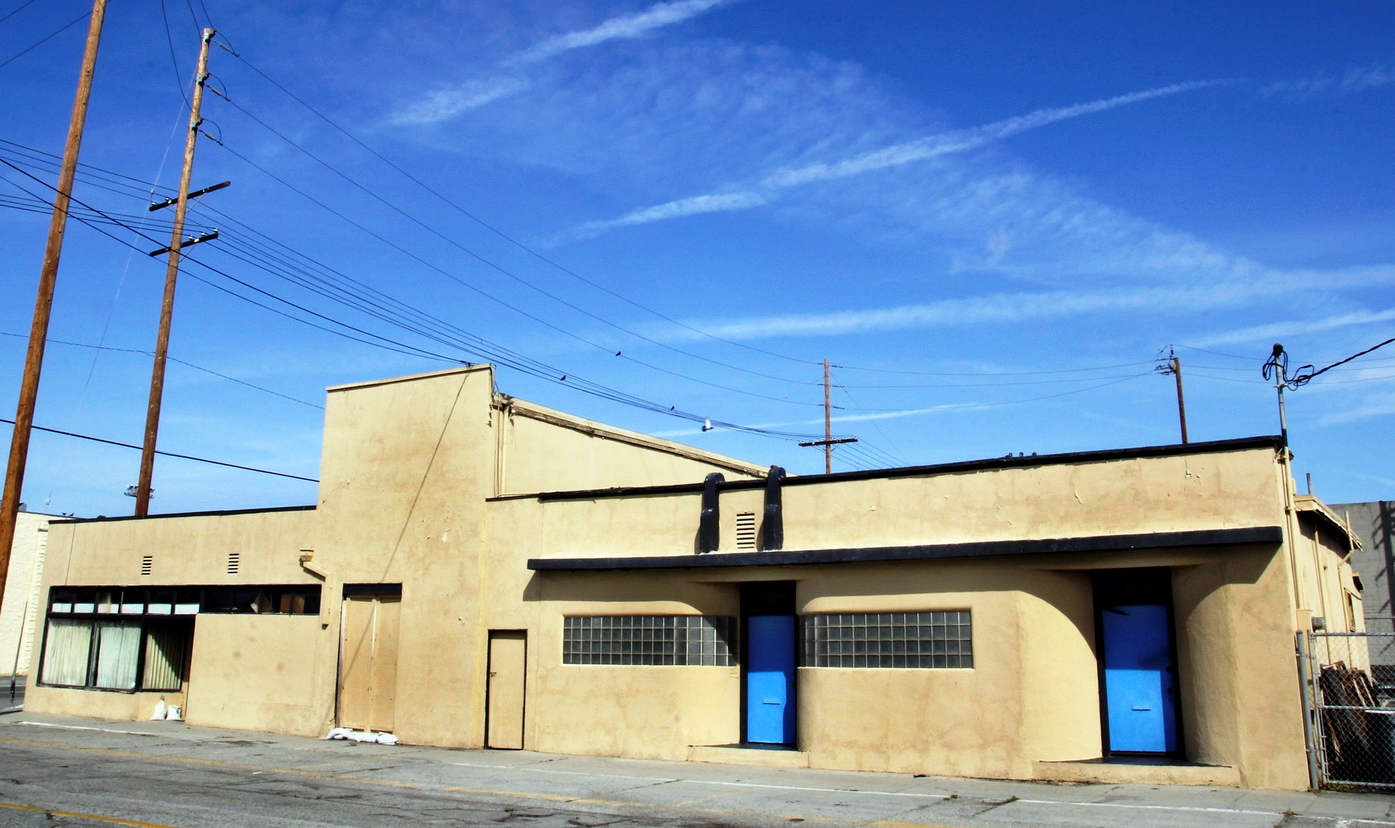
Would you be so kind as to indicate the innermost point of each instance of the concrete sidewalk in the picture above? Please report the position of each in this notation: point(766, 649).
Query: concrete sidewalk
point(645, 791)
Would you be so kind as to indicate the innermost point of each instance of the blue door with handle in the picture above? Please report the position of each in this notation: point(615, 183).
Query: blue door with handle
point(1139, 683)
point(770, 679)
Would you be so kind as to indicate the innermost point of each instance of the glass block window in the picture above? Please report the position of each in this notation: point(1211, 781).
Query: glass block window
point(649, 640)
point(888, 639)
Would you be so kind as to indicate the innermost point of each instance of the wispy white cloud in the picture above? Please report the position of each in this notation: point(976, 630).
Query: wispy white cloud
point(920, 149)
point(444, 104)
point(627, 26)
point(717, 202)
point(1278, 330)
point(1355, 80)
point(967, 139)
point(1001, 308)
point(1009, 308)
point(447, 102)
point(1374, 405)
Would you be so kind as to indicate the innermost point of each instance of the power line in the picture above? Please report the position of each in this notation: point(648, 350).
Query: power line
point(168, 453)
point(527, 365)
point(496, 231)
point(401, 347)
point(952, 406)
point(22, 7)
point(981, 373)
point(481, 259)
point(172, 359)
point(992, 384)
point(65, 27)
point(569, 334)
point(1306, 374)
point(134, 183)
point(174, 61)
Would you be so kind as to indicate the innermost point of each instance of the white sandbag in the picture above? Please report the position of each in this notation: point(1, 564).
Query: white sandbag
point(172, 714)
point(159, 714)
point(338, 733)
point(387, 739)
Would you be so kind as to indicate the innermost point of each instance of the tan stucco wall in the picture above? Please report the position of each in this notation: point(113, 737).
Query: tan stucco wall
point(1239, 679)
point(261, 672)
point(410, 470)
point(21, 605)
point(112, 706)
point(185, 550)
point(1162, 494)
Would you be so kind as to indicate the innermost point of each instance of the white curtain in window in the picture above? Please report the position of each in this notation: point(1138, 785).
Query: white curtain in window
point(117, 648)
point(164, 659)
point(65, 651)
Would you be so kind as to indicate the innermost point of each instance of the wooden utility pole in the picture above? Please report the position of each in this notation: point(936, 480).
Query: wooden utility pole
point(827, 425)
point(1173, 366)
point(43, 306)
point(162, 341)
point(828, 442)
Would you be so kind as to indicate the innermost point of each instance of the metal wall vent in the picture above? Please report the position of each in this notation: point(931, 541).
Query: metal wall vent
point(233, 560)
point(146, 563)
point(746, 530)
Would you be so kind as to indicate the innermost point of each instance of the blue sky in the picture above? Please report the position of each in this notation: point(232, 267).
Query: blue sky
point(991, 218)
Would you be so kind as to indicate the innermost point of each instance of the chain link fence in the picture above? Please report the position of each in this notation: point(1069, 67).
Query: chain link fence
point(1353, 693)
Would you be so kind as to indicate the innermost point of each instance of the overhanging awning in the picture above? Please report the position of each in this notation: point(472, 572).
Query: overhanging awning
point(979, 549)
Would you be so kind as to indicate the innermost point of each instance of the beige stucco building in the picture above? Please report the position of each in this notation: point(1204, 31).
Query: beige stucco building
point(481, 571)
point(22, 606)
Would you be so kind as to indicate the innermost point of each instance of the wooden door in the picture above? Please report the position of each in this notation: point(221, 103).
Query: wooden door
point(368, 664)
point(508, 655)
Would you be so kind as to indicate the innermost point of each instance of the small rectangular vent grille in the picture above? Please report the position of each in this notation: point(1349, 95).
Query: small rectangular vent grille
point(146, 562)
point(746, 530)
point(233, 562)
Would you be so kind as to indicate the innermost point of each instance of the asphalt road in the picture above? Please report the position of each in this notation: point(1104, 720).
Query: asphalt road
point(77, 772)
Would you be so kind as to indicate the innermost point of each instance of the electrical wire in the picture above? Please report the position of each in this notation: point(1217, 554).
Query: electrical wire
point(121, 179)
point(540, 370)
point(210, 371)
point(980, 373)
point(476, 256)
point(169, 38)
point(1306, 374)
point(564, 332)
point(496, 231)
point(22, 7)
point(65, 27)
point(401, 347)
point(991, 384)
point(166, 453)
point(952, 406)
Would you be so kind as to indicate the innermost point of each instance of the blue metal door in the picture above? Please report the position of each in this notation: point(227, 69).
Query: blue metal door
point(1138, 679)
point(770, 679)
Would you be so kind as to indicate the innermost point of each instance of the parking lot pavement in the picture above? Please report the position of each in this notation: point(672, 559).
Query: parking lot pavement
point(56, 771)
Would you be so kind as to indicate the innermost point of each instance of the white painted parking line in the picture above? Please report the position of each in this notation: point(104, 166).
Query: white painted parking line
point(1337, 822)
point(80, 727)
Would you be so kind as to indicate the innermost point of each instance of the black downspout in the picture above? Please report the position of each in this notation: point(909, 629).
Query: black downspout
point(709, 524)
point(773, 527)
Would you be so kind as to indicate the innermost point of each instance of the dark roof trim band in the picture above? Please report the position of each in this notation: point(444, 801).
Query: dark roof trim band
point(979, 549)
point(1178, 450)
